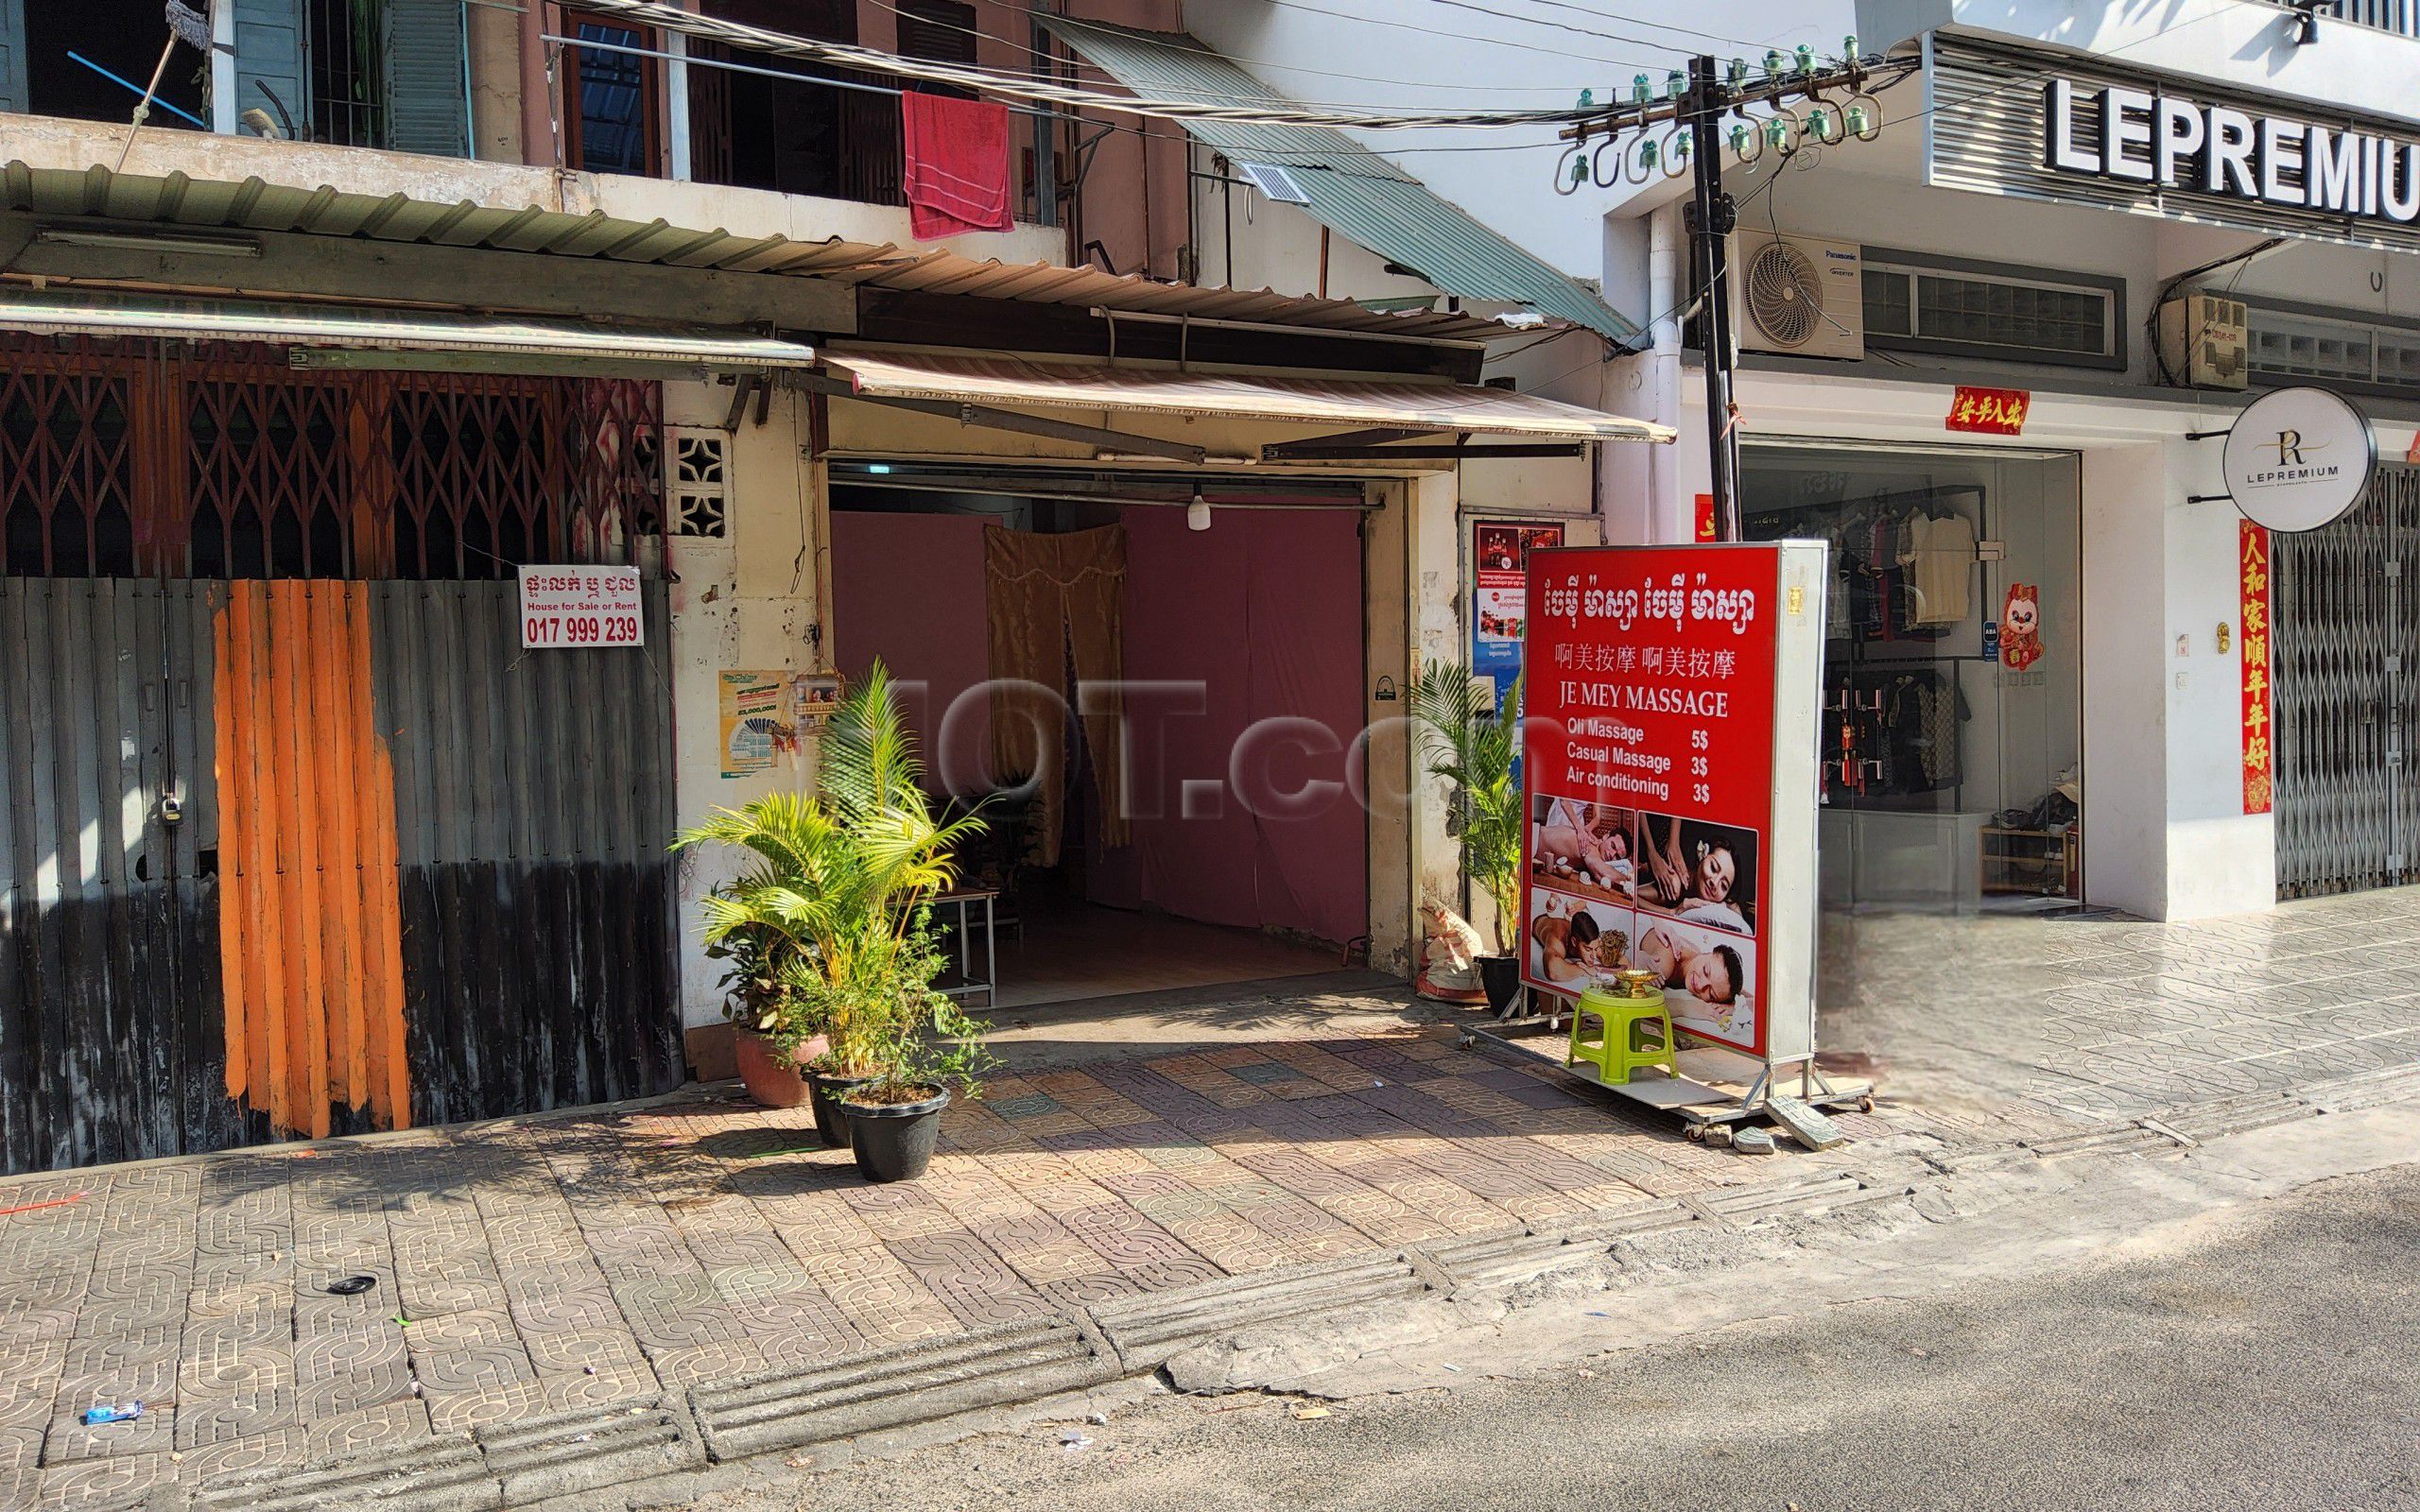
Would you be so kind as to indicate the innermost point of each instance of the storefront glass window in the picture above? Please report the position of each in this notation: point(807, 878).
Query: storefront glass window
point(1952, 728)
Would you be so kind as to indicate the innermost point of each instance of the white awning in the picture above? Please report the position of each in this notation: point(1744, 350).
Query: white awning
point(1360, 403)
point(399, 332)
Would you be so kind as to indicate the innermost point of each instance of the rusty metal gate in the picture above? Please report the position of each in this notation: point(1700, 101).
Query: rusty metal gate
point(294, 839)
point(312, 857)
point(2346, 689)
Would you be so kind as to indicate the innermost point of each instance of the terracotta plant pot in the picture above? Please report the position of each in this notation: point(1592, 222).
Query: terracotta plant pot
point(769, 1079)
point(894, 1141)
point(830, 1123)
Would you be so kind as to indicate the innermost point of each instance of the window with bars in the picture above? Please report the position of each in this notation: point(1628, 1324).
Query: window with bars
point(127, 458)
point(1951, 308)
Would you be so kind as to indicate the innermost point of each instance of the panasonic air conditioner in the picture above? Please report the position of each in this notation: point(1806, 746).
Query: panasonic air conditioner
point(2204, 342)
point(1797, 296)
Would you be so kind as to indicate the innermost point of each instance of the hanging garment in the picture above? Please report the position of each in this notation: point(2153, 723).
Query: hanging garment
point(957, 169)
point(1055, 599)
point(1940, 553)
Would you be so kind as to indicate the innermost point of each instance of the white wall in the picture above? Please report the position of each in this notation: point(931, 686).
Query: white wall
point(749, 602)
point(1427, 58)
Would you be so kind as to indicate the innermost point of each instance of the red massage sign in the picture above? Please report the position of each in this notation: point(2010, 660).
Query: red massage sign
point(1652, 701)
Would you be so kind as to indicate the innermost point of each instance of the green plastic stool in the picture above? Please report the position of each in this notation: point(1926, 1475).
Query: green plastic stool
point(1616, 1052)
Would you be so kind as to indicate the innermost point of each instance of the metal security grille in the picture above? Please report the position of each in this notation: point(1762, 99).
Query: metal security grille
point(2347, 669)
point(125, 459)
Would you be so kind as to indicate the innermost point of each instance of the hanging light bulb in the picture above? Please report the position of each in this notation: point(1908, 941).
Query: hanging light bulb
point(1197, 514)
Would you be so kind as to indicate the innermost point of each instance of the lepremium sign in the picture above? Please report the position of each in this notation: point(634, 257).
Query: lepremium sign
point(2004, 121)
point(2116, 132)
point(2297, 458)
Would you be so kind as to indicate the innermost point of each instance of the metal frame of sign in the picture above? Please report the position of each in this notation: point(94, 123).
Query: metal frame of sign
point(1571, 606)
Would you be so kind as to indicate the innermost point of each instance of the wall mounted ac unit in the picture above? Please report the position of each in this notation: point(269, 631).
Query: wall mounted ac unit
point(1797, 296)
point(2203, 341)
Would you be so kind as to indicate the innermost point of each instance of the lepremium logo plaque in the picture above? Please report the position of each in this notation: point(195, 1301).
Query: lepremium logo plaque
point(2297, 458)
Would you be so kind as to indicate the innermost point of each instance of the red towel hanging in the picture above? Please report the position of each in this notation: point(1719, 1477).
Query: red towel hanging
point(958, 165)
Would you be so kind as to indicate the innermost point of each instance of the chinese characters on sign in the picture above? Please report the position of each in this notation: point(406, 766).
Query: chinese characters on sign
point(2252, 562)
point(1988, 411)
point(579, 607)
point(1650, 750)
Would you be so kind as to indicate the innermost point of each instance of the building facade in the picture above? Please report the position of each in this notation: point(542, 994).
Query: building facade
point(2069, 716)
point(383, 302)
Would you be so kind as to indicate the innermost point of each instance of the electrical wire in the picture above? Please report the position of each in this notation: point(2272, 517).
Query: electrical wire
point(1588, 31)
point(1659, 25)
point(846, 55)
point(1181, 42)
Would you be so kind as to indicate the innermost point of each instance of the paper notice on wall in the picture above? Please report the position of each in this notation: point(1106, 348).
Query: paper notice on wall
point(758, 727)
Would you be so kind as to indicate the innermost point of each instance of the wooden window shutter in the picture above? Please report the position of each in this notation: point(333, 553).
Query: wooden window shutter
point(426, 109)
point(942, 30)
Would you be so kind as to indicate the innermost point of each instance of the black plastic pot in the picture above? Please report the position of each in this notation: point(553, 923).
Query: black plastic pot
point(1501, 976)
point(825, 1090)
point(895, 1142)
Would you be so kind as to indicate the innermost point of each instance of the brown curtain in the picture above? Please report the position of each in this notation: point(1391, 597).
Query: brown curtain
point(1053, 598)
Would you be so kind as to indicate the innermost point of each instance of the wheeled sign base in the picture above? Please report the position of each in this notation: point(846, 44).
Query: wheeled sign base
point(1718, 1087)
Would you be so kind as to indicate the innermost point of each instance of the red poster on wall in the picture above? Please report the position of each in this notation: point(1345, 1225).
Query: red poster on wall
point(2252, 569)
point(1654, 698)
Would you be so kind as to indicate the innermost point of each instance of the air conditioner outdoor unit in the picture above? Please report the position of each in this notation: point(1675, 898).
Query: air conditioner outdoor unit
point(1798, 295)
point(2203, 341)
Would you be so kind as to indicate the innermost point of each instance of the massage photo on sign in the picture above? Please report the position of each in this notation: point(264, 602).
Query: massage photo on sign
point(1700, 873)
point(1583, 847)
point(1574, 944)
point(1709, 977)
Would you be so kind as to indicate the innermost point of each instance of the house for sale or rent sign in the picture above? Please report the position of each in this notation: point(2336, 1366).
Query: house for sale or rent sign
point(579, 607)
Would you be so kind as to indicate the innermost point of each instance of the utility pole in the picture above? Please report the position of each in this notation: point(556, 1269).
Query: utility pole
point(1712, 216)
point(1699, 102)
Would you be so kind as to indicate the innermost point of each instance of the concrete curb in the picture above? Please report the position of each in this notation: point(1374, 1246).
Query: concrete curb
point(1017, 1365)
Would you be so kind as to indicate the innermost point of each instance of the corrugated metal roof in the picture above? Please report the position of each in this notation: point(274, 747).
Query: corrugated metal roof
point(327, 325)
point(394, 202)
point(1351, 190)
point(1423, 407)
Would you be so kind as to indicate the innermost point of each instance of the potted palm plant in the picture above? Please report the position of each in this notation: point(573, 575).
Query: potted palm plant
point(1473, 744)
point(827, 926)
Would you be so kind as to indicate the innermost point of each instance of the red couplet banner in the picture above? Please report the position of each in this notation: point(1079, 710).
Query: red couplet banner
point(1648, 757)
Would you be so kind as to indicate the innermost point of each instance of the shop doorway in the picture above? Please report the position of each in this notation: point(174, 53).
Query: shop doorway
point(1194, 828)
point(1952, 721)
point(2345, 664)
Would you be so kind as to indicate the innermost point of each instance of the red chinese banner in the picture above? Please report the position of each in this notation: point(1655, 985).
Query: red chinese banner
point(1648, 772)
point(1988, 411)
point(2259, 753)
point(1705, 515)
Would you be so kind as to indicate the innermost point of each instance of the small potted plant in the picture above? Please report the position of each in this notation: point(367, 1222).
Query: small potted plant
point(1473, 744)
point(816, 924)
point(926, 1046)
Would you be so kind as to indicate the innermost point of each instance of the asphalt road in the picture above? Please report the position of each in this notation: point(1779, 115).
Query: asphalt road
point(2264, 1360)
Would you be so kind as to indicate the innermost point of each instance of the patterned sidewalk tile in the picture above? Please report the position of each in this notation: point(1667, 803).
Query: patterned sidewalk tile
point(614, 1255)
